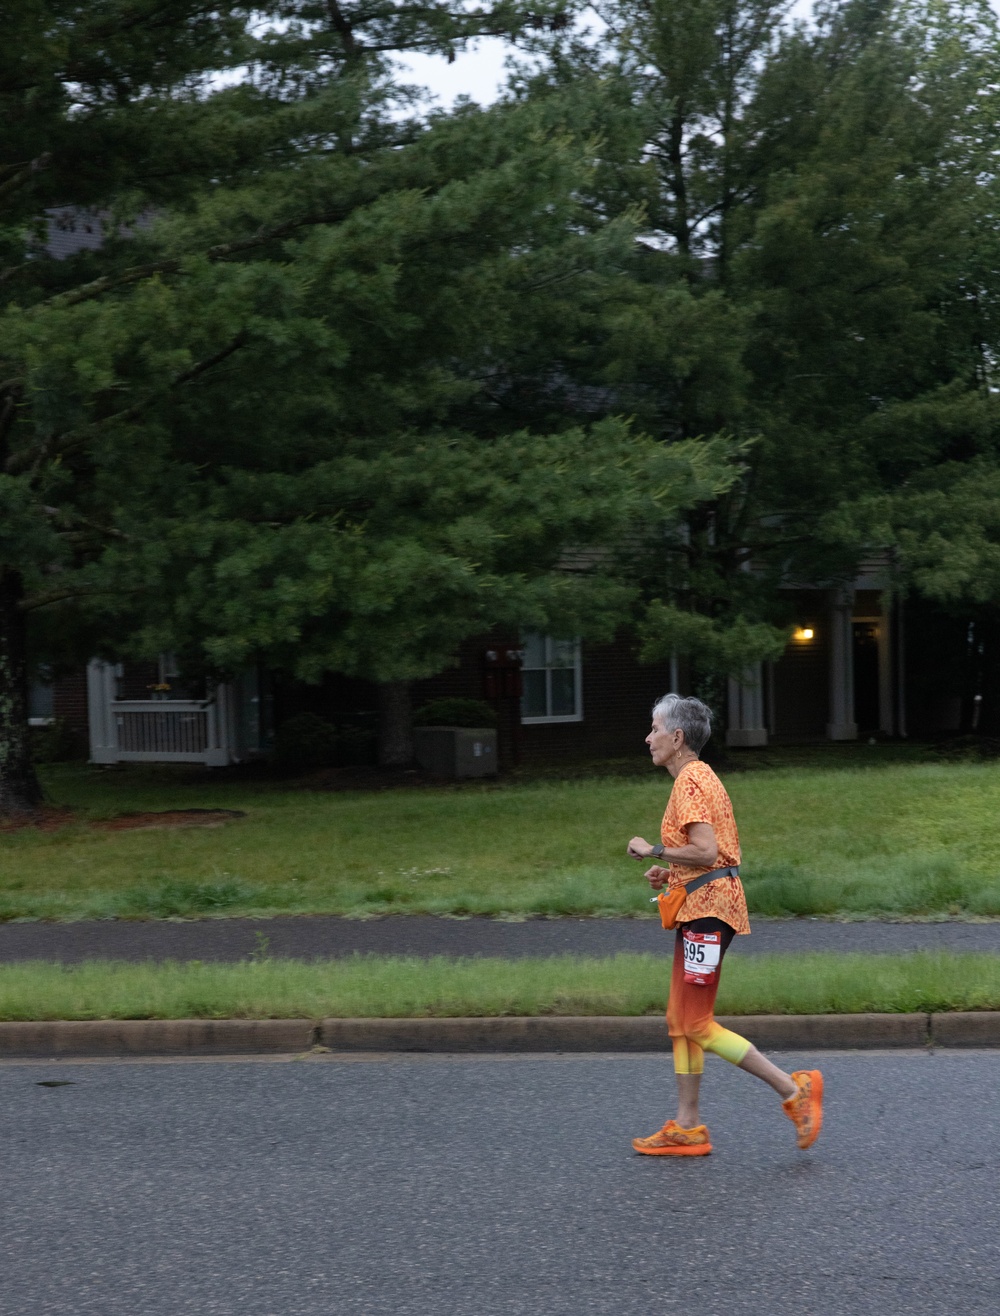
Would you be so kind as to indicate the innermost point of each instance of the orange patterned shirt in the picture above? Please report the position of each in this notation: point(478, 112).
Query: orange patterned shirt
point(699, 796)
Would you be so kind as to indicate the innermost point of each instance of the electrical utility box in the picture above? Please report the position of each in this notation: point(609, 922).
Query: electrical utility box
point(456, 751)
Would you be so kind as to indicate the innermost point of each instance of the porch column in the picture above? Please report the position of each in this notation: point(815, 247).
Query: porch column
point(101, 691)
point(842, 725)
point(746, 709)
point(221, 747)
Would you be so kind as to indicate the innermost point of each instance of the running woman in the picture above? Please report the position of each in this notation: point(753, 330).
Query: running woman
point(699, 837)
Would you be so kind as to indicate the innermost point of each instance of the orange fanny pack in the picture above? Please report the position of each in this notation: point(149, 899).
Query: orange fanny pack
point(671, 900)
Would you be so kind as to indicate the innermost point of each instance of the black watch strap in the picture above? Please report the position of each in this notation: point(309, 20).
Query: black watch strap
point(657, 852)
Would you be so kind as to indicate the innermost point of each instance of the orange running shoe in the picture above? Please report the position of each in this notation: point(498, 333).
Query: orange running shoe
point(672, 1140)
point(805, 1109)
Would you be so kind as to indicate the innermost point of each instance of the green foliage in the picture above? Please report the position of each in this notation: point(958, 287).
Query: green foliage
point(279, 415)
point(819, 222)
point(305, 741)
point(456, 713)
point(720, 649)
point(57, 742)
point(344, 385)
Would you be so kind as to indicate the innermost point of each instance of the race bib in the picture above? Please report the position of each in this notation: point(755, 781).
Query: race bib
point(702, 953)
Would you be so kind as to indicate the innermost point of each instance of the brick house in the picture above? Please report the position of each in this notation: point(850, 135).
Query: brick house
point(848, 672)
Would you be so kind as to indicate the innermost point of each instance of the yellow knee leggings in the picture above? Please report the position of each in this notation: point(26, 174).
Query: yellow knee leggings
point(693, 1030)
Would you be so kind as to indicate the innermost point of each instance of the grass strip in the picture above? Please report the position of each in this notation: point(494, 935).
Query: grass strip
point(899, 840)
point(376, 986)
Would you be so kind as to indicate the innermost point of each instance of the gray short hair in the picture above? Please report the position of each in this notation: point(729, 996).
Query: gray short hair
point(687, 714)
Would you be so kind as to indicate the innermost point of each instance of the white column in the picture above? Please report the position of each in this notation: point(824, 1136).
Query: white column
point(220, 715)
point(746, 709)
point(842, 725)
point(101, 691)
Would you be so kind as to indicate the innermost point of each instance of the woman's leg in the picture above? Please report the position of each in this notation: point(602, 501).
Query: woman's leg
point(754, 1063)
point(695, 1008)
point(692, 1028)
point(695, 1014)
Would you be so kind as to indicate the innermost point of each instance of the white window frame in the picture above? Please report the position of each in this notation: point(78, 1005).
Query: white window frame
point(549, 718)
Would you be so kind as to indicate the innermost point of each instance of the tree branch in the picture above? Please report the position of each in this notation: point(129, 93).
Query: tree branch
point(13, 270)
point(24, 174)
point(345, 30)
point(223, 250)
point(32, 601)
point(74, 518)
point(69, 439)
point(10, 391)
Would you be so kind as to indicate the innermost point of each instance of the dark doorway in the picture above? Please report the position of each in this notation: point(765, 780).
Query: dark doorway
point(866, 712)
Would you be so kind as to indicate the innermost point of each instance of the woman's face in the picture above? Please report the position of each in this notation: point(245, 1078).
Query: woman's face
point(662, 743)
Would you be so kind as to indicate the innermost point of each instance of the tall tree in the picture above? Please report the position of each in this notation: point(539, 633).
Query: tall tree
point(826, 190)
point(270, 415)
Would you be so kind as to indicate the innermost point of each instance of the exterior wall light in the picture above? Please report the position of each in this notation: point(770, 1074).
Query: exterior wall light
point(804, 634)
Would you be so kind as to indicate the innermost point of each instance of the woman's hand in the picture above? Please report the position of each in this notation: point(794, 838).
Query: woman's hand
point(639, 849)
point(657, 877)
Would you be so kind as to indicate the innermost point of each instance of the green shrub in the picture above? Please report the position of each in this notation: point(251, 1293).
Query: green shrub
point(455, 713)
point(355, 745)
point(305, 741)
point(969, 749)
point(57, 742)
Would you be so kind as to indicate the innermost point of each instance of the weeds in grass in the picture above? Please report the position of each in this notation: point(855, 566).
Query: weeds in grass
point(919, 884)
point(402, 987)
point(179, 899)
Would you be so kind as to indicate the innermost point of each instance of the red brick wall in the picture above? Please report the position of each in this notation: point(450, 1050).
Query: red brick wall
point(618, 695)
point(69, 701)
point(801, 676)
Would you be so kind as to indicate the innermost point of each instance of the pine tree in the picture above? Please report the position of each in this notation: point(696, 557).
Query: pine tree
point(271, 417)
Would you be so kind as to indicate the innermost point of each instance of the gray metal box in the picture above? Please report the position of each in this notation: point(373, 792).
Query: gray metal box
point(456, 751)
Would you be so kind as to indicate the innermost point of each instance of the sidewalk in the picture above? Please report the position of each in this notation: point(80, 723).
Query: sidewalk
point(328, 937)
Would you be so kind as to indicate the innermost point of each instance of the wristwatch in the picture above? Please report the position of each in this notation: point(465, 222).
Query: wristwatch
point(656, 852)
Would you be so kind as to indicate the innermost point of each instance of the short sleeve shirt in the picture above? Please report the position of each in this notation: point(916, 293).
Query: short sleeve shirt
point(698, 796)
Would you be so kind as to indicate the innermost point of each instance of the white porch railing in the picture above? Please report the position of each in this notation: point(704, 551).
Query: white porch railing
point(157, 730)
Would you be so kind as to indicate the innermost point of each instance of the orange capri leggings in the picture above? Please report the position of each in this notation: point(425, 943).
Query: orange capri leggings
point(690, 1009)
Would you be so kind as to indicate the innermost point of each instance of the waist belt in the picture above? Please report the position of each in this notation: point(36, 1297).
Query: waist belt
point(711, 876)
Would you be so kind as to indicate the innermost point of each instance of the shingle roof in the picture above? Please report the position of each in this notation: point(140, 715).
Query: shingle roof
point(71, 229)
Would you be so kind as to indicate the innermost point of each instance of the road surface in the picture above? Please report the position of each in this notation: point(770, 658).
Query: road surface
point(323, 937)
point(493, 1186)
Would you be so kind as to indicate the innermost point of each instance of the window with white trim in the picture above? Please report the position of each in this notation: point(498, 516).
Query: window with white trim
point(551, 676)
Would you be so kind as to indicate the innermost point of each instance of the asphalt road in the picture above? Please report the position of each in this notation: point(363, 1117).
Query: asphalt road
point(322, 937)
point(481, 1186)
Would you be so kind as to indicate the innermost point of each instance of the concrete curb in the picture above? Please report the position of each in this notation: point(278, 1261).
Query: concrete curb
point(185, 1037)
point(617, 1033)
point(63, 1039)
point(974, 1028)
point(154, 1037)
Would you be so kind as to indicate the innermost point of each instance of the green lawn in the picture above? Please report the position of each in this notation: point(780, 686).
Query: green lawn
point(382, 986)
point(910, 839)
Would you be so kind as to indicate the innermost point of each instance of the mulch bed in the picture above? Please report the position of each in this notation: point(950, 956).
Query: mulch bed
point(49, 818)
point(169, 818)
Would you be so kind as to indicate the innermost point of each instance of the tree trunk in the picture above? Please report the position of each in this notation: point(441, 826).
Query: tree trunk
point(19, 788)
point(395, 725)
